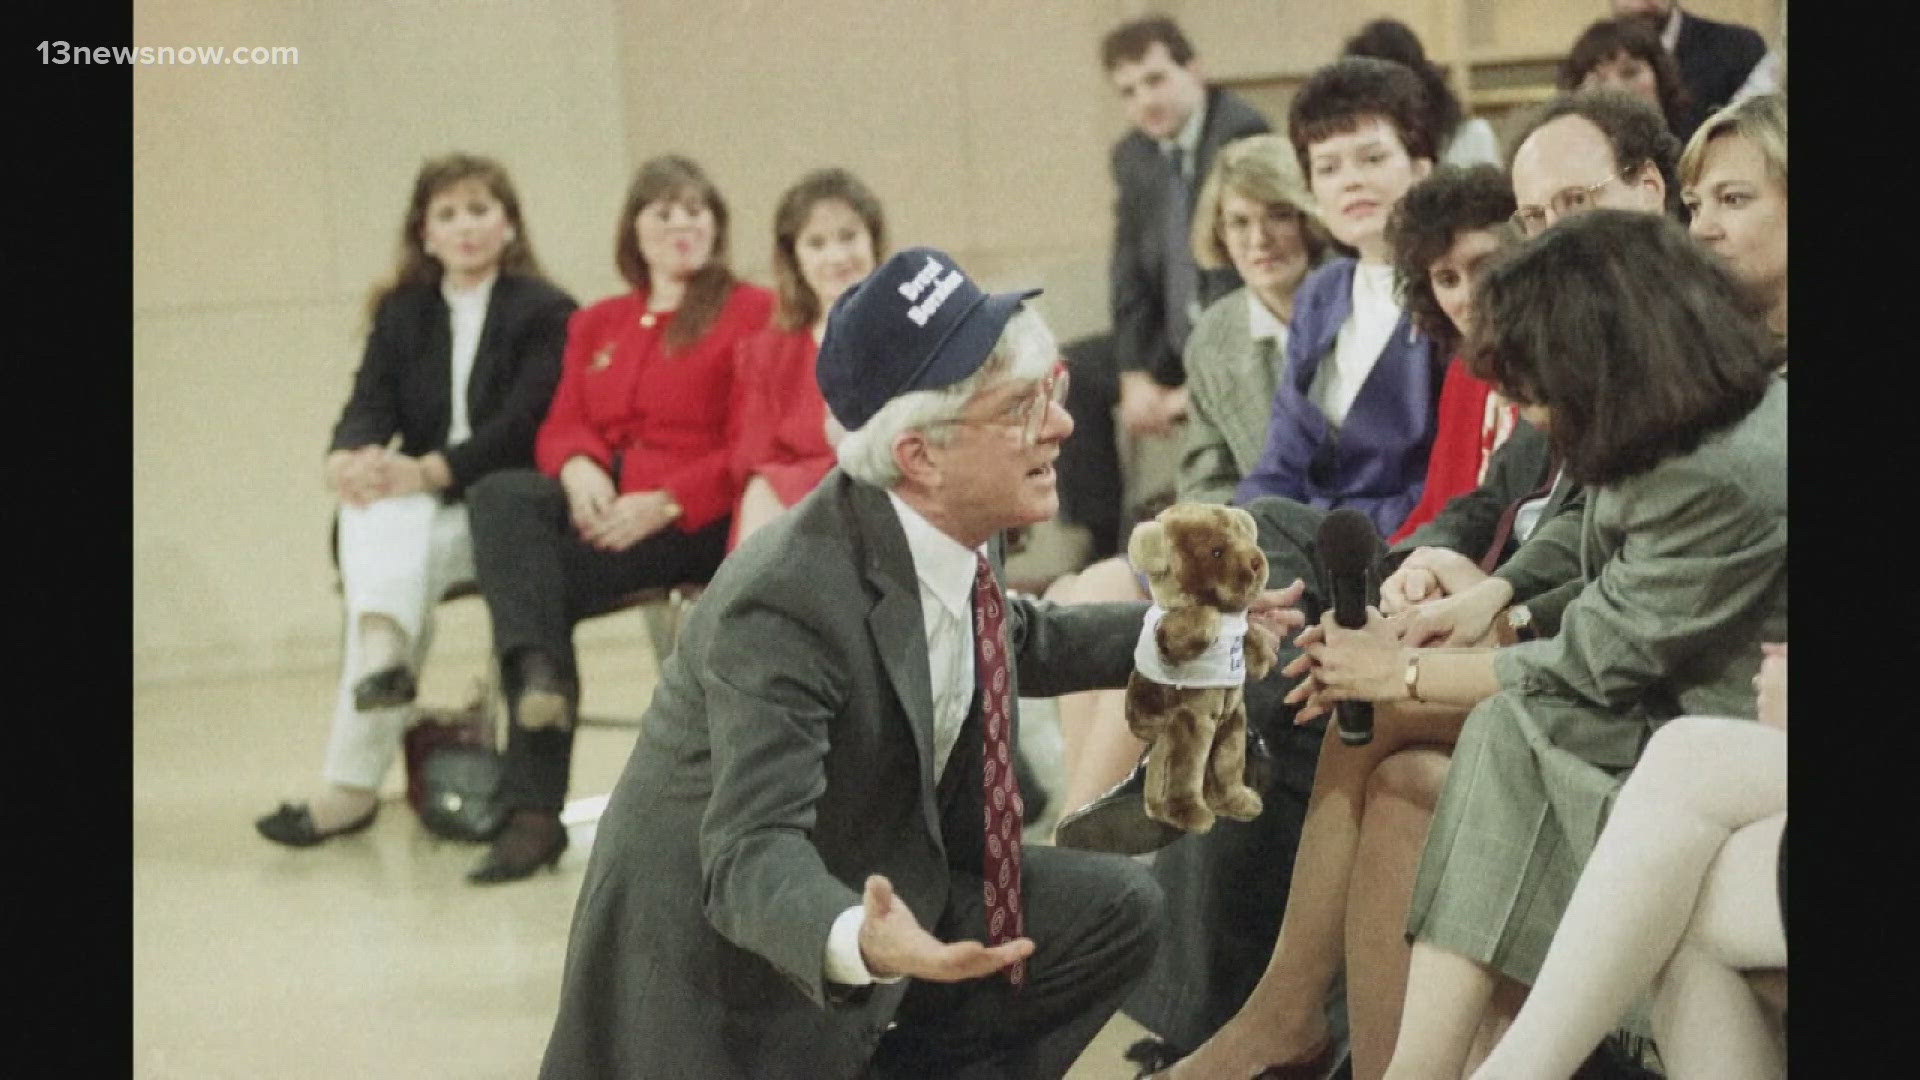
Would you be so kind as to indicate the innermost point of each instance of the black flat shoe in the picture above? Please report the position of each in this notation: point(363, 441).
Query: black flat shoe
point(1117, 821)
point(532, 839)
point(292, 825)
point(384, 689)
point(1152, 1056)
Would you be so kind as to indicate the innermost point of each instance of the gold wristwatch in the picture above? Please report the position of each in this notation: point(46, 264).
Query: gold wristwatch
point(1413, 674)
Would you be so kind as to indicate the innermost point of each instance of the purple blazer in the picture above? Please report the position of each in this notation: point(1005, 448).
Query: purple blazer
point(1375, 462)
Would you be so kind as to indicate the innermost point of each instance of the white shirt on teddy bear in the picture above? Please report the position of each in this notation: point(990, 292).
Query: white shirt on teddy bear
point(1224, 663)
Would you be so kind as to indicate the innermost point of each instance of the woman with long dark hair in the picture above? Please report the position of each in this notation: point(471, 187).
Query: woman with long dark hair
point(1625, 53)
point(462, 356)
point(828, 233)
point(1673, 418)
point(633, 489)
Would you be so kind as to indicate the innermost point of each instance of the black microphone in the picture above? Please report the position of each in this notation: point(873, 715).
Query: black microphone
point(1347, 548)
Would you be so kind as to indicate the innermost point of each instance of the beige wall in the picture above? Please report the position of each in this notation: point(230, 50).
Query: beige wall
point(266, 200)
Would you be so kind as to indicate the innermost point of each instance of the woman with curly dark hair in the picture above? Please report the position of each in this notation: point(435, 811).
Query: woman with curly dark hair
point(1626, 54)
point(1443, 231)
point(1464, 140)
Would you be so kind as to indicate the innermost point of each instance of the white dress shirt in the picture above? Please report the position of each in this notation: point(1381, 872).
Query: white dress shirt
point(945, 568)
point(468, 309)
point(1375, 312)
point(1187, 139)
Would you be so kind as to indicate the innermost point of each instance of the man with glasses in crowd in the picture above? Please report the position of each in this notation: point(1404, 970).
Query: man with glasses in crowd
point(811, 866)
point(1583, 151)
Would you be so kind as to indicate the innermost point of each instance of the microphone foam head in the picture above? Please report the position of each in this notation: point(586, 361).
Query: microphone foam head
point(1347, 544)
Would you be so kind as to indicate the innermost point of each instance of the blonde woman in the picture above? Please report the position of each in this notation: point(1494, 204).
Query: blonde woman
point(1733, 180)
point(1255, 215)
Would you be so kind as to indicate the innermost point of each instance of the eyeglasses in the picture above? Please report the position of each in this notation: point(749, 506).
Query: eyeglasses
point(1028, 414)
point(1533, 220)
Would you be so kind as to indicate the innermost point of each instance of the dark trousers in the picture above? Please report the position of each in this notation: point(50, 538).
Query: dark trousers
point(1095, 921)
point(1091, 488)
point(539, 579)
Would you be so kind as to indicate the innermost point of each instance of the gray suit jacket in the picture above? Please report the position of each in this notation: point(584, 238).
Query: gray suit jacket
point(1230, 387)
point(786, 755)
point(1136, 273)
point(1685, 573)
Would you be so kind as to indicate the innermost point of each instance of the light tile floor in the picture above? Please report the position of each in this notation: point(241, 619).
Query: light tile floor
point(368, 957)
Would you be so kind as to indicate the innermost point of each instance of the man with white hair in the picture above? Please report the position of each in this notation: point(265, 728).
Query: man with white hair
point(812, 866)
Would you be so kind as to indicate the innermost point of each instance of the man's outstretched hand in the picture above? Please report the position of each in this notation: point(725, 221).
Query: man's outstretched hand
point(892, 942)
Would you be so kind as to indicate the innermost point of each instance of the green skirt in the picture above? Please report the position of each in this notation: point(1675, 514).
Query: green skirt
point(1515, 824)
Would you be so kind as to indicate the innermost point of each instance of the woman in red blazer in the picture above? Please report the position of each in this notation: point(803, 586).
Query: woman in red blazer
point(828, 232)
point(633, 489)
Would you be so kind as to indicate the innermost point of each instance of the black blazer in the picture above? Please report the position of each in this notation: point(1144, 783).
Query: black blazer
point(1136, 289)
point(404, 385)
point(1715, 58)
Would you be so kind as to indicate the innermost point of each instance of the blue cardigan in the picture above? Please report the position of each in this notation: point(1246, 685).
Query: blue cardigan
point(1377, 462)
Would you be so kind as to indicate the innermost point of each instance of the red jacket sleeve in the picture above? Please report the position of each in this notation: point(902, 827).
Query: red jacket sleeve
point(566, 431)
point(750, 428)
point(704, 485)
point(1453, 465)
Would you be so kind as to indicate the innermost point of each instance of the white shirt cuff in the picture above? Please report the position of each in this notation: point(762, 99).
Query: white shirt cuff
point(844, 964)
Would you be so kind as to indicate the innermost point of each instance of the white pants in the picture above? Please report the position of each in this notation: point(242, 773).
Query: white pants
point(397, 556)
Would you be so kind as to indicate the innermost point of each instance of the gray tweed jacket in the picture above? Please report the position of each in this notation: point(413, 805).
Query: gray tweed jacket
point(787, 754)
point(1230, 384)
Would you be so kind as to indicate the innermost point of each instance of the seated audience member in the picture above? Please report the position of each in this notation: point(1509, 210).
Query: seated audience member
point(1573, 138)
point(1255, 216)
point(1353, 417)
point(1734, 177)
point(1576, 137)
point(462, 358)
point(1155, 290)
point(1685, 890)
point(1676, 425)
point(633, 488)
point(1445, 227)
point(1625, 54)
point(1443, 231)
point(800, 872)
point(827, 232)
point(1464, 140)
point(1717, 60)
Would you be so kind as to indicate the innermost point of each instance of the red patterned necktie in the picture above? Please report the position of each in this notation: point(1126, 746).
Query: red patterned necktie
point(1001, 866)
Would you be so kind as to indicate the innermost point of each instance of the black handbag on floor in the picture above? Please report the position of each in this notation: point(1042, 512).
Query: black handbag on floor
point(453, 770)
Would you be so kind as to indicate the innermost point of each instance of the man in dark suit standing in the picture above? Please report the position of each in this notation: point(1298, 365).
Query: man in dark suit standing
point(1155, 288)
point(811, 866)
point(1715, 58)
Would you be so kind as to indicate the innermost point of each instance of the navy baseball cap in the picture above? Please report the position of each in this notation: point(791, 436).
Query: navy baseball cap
point(916, 323)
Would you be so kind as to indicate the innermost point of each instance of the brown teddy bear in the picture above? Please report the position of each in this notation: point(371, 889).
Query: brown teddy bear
point(1186, 696)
